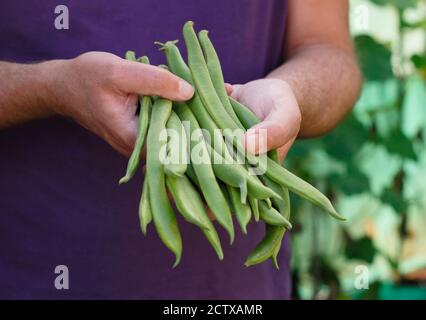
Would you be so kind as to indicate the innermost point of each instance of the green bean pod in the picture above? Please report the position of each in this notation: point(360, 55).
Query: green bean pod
point(203, 82)
point(229, 173)
point(254, 204)
point(302, 188)
point(241, 210)
point(216, 75)
point(266, 246)
point(130, 55)
point(191, 206)
point(177, 150)
point(185, 198)
point(277, 248)
point(209, 97)
point(191, 175)
point(284, 209)
point(272, 217)
point(280, 204)
point(285, 178)
point(270, 243)
point(145, 213)
point(237, 176)
point(162, 212)
point(249, 119)
point(205, 174)
point(282, 176)
point(144, 114)
point(179, 67)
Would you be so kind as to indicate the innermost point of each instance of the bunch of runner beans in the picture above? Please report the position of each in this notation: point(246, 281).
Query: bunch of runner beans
point(222, 183)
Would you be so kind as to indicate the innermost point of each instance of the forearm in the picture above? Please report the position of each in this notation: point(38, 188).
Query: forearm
point(326, 81)
point(25, 92)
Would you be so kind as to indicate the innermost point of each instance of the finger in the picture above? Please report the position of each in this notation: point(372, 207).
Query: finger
point(282, 151)
point(236, 91)
point(145, 79)
point(277, 129)
point(120, 131)
point(228, 88)
point(123, 142)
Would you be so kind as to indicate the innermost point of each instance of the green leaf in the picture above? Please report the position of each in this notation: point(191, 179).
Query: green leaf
point(374, 58)
point(395, 200)
point(302, 148)
point(397, 143)
point(354, 182)
point(361, 249)
point(400, 4)
point(419, 61)
point(373, 291)
point(345, 141)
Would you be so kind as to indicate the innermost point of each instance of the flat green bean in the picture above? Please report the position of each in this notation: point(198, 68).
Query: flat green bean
point(191, 175)
point(177, 150)
point(191, 206)
point(185, 197)
point(254, 204)
point(266, 246)
point(237, 176)
point(179, 67)
point(145, 213)
point(162, 212)
point(216, 75)
point(302, 188)
point(205, 174)
point(272, 216)
point(202, 80)
point(241, 210)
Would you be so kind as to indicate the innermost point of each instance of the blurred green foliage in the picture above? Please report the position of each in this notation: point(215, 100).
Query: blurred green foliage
point(373, 166)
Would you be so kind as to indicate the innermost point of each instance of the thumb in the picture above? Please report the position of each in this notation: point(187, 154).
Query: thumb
point(135, 77)
point(275, 131)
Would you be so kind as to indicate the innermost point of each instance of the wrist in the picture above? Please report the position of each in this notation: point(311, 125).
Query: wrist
point(49, 85)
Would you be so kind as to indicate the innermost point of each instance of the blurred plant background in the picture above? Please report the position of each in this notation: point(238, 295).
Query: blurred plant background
point(374, 167)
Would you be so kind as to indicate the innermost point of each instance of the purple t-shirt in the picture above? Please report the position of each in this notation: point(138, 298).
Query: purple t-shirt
point(60, 203)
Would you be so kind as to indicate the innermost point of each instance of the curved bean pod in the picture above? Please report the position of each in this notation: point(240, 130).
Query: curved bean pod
point(302, 188)
point(254, 204)
point(144, 114)
point(272, 216)
point(265, 248)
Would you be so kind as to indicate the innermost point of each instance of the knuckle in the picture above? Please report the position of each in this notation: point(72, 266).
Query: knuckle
point(112, 72)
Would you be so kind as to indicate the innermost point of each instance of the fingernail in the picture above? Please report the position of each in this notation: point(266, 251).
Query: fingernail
point(256, 141)
point(251, 138)
point(185, 89)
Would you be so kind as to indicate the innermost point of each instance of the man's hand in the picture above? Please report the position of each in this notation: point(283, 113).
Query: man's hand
point(274, 102)
point(98, 90)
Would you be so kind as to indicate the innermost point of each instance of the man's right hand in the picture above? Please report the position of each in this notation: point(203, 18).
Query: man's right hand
point(99, 90)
